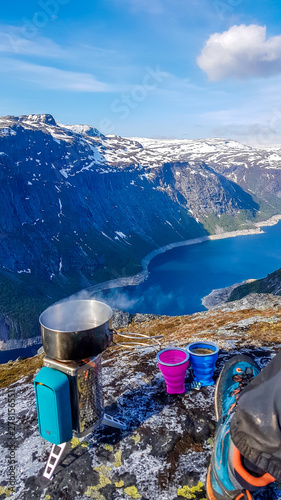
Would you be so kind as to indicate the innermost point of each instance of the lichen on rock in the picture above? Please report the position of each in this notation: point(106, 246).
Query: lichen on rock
point(190, 492)
point(132, 492)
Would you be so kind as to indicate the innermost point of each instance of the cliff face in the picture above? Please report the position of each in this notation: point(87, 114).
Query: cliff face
point(164, 452)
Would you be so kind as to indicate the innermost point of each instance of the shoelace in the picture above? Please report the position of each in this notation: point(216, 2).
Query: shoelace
point(243, 378)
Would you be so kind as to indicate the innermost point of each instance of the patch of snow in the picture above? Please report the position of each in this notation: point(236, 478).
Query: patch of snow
point(106, 235)
point(60, 205)
point(64, 173)
point(120, 234)
point(7, 131)
point(87, 167)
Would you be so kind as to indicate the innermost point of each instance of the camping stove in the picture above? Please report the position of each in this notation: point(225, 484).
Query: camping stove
point(69, 401)
point(86, 397)
point(68, 389)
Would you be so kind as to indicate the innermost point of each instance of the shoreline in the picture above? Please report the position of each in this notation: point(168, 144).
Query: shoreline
point(139, 278)
point(220, 296)
point(11, 344)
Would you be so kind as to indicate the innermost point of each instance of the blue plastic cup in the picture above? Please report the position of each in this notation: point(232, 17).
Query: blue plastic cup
point(203, 357)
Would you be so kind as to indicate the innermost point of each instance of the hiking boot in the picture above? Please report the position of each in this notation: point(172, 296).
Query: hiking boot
point(228, 476)
point(234, 377)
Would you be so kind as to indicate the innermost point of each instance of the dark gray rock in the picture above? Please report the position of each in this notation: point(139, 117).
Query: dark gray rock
point(120, 319)
point(141, 318)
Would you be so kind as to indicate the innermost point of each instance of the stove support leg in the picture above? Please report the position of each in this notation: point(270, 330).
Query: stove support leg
point(112, 422)
point(54, 458)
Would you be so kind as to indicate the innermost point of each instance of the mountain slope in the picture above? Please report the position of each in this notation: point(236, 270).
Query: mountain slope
point(79, 207)
point(71, 189)
point(257, 170)
point(271, 284)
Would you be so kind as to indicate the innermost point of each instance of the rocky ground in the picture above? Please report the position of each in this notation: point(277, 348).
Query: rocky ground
point(164, 452)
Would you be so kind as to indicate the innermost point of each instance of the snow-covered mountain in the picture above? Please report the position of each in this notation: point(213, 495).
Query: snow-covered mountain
point(80, 207)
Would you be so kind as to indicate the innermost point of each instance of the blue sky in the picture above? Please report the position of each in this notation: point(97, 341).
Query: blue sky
point(151, 68)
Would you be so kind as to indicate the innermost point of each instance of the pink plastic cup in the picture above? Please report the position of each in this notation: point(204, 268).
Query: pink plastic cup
point(173, 363)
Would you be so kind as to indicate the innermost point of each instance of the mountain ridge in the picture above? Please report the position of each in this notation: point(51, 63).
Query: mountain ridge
point(80, 208)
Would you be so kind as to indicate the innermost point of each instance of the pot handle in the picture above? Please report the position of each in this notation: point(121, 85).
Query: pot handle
point(135, 340)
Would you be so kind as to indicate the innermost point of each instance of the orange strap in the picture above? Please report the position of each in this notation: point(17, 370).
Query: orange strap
point(255, 481)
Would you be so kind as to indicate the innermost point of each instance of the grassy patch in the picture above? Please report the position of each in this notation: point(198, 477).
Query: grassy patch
point(13, 371)
point(244, 219)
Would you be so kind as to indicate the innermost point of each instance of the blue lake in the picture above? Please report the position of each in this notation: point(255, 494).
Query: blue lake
point(25, 352)
point(181, 277)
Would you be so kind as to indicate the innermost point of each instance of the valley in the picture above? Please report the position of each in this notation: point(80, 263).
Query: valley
point(80, 208)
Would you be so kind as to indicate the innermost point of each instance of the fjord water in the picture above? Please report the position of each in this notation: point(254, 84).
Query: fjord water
point(12, 354)
point(181, 277)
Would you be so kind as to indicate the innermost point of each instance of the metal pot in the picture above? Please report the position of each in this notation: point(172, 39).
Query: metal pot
point(76, 329)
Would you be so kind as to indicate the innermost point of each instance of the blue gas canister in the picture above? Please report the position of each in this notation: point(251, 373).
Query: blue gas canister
point(53, 405)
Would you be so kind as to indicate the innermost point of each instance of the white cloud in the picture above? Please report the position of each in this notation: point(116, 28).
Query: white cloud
point(52, 78)
point(12, 41)
point(241, 52)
